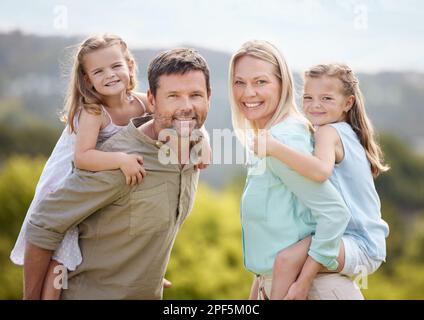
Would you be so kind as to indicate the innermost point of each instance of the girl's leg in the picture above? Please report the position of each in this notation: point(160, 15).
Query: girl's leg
point(287, 266)
point(49, 292)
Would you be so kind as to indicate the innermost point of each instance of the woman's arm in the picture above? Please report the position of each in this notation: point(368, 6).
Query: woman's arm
point(325, 203)
point(317, 167)
point(88, 158)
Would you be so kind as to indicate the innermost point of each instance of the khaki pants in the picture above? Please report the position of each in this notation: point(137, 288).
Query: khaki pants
point(326, 286)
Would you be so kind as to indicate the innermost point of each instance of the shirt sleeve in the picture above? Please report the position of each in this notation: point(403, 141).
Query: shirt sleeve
point(324, 201)
point(82, 194)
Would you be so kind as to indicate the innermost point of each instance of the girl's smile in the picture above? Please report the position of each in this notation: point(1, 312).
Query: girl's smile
point(107, 71)
point(324, 101)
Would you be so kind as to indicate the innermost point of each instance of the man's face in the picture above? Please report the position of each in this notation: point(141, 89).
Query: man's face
point(181, 102)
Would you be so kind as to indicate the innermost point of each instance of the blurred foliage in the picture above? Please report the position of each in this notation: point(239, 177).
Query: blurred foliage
point(206, 262)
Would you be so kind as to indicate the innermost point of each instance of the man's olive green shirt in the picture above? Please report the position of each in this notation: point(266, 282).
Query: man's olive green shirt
point(125, 233)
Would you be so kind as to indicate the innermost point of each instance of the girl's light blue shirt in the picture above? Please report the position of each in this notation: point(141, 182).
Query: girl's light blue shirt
point(352, 177)
point(279, 207)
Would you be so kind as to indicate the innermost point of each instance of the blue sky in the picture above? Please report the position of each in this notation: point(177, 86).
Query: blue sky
point(370, 35)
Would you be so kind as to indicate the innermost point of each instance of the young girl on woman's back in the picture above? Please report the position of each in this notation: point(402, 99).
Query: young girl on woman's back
point(347, 154)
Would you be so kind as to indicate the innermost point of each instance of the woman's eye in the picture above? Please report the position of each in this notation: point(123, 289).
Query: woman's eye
point(261, 82)
point(306, 98)
point(327, 98)
point(117, 66)
point(97, 72)
point(238, 83)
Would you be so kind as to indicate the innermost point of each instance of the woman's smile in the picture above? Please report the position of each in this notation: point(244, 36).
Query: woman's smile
point(257, 89)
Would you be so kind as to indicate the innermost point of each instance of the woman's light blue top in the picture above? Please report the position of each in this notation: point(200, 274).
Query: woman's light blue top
point(352, 177)
point(279, 207)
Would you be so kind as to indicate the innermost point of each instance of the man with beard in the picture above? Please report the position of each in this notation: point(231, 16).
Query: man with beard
point(127, 233)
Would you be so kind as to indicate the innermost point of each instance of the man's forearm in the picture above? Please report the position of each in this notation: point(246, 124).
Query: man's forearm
point(36, 264)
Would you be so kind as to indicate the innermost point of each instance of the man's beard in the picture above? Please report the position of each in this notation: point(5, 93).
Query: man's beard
point(183, 123)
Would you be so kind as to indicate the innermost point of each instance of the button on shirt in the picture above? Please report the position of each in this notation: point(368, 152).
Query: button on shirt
point(126, 233)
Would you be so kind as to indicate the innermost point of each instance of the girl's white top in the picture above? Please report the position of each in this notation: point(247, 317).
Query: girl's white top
point(55, 171)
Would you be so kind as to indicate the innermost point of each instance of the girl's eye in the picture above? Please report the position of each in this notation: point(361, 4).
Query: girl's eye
point(238, 83)
point(327, 98)
point(97, 72)
point(117, 66)
point(306, 98)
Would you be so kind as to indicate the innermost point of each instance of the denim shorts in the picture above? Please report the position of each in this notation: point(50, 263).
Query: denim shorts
point(357, 261)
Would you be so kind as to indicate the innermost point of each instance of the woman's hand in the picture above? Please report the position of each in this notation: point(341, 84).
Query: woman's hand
point(131, 166)
point(299, 290)
point(263, 144)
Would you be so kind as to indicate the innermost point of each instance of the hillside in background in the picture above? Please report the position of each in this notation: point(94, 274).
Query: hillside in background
point(208, 249)
point(33, 81)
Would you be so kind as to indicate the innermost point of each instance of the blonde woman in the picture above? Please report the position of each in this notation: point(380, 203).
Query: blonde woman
point(279, 207)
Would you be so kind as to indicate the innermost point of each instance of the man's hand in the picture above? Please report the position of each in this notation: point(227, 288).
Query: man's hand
point(298, 291)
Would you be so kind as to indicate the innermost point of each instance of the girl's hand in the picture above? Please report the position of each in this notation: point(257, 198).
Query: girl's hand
point(263, 143)
point(131, 166)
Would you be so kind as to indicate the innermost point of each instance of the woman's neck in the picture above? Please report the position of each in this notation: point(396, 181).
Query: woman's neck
point(264, 124)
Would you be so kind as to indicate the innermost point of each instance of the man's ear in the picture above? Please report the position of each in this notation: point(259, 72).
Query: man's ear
point(151, 101)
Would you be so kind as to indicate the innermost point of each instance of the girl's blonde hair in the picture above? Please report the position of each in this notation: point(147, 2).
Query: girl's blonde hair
point(265, 51)
point(356, 116)
point(80, 93)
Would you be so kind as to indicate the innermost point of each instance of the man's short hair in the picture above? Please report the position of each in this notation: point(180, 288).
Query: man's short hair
point(176, 61)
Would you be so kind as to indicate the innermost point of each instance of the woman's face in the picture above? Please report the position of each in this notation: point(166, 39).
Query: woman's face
point(257, 90)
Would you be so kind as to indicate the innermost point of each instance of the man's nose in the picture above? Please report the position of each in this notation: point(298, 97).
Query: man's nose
point(186, 104)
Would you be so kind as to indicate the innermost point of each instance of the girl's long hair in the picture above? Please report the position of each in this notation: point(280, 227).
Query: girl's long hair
point(80, 93)
point(356, 116)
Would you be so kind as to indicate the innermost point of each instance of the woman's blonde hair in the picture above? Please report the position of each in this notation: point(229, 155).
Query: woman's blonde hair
point(80, 93)
point(265, 51)
point(356, 116)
